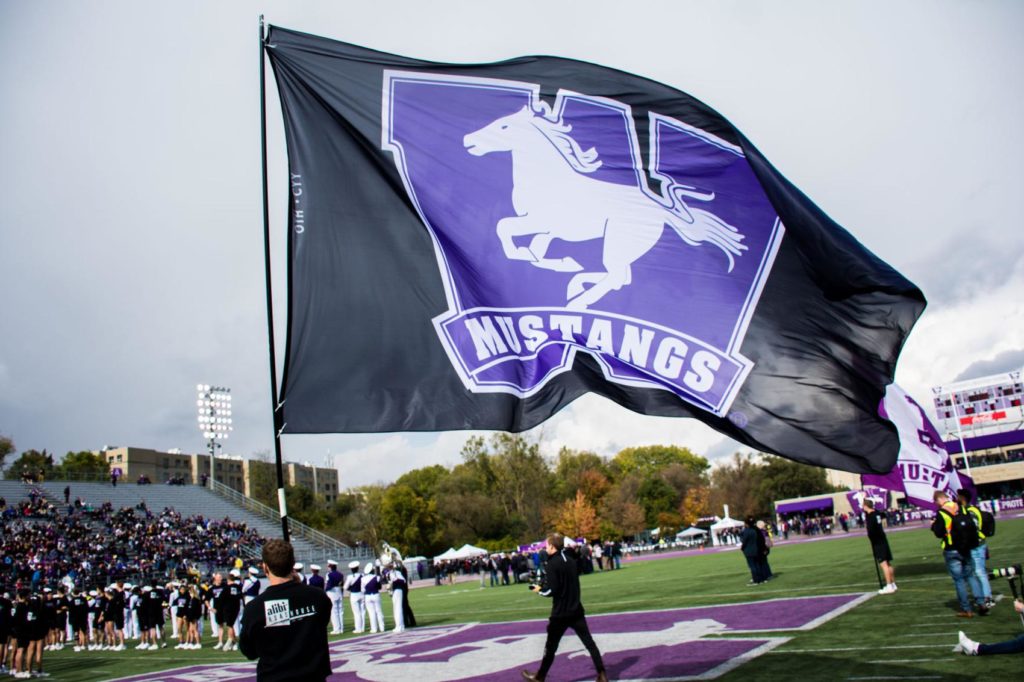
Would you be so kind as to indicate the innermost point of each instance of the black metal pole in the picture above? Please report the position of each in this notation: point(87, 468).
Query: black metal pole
point(278, 425)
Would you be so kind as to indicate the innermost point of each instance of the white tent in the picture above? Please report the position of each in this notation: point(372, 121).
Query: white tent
point(691, 536)
point(725, 524)
point(449, 555)
point(467, 551)
point(690, 532)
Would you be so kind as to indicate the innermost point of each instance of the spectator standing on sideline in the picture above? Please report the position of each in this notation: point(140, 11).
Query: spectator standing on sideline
point(879, 546)
point(286, 626)
point(751, 544)
point(948, 526)
point(563, 586)
point(353, 583)
point(978, 554)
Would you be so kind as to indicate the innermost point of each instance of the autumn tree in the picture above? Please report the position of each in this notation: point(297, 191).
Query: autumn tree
point(694, 505)
point(575, 518)
point(736, 484)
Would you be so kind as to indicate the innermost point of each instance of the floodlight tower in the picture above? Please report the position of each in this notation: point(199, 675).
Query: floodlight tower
point(214, 403)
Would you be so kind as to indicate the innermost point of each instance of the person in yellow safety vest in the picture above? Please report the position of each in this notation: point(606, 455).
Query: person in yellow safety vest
point(960, 567)
point(980, 553)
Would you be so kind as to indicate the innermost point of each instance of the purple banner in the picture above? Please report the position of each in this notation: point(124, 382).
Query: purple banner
point(821, 504)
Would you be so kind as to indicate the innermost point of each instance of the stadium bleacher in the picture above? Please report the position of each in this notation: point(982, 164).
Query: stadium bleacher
point(187, 500)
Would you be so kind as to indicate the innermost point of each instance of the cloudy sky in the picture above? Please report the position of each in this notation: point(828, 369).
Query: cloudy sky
point(131, 224)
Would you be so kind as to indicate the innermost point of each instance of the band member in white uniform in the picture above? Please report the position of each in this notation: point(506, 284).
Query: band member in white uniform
point(353, 583)
point(251, 586)
point(334, 582)
point(371, 593)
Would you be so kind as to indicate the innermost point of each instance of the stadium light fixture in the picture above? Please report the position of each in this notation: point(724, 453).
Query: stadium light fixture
point(214, 419)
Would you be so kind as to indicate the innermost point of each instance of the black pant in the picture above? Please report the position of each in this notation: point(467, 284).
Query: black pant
point(557, 628)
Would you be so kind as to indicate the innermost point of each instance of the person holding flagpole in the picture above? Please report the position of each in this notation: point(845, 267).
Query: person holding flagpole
point(879, 545)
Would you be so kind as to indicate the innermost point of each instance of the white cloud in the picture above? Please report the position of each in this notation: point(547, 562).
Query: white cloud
point(983, 322)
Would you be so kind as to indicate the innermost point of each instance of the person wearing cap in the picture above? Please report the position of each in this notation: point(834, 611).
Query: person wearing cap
point(251, 586)
point(299, 573)
point(333, 588)
point(315, 580)
point(371, 595)
point(173, 592)
point(354, 585)
point(286, 626)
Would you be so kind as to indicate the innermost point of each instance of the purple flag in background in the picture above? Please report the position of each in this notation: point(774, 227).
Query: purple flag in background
point(923, 465)
point(880, 496)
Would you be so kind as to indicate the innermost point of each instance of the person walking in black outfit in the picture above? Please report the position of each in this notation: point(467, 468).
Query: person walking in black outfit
point(562, 584)
point(286, 626)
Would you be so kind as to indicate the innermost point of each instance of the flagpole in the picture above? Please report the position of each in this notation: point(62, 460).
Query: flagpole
point(278, 424)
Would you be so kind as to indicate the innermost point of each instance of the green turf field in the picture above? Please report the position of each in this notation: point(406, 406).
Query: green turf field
point(908, 635)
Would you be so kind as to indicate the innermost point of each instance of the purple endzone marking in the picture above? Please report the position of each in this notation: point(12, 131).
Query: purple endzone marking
point(688, 657)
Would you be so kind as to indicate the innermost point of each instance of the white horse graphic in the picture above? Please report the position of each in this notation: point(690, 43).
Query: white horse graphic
point(554, 198)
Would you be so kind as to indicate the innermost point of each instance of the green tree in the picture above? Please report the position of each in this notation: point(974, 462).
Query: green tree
point(31, 461)
point(364, 524)
point(409, 521)
point(656, 497)
point(305, 507)
point(83, 464)
point(425, 481)
point(263, 479)
point(576, 470)
point(648, 460)
point(736, 484)
point(6, 448)
point(783, 478)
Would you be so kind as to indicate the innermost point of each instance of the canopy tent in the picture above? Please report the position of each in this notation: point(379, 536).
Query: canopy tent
point(467, 551)
point(450, 555)
point(690, 532)
point(813, 504)
point(723, 525)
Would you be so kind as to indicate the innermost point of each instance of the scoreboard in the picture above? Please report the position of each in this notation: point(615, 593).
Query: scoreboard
point(986, 405)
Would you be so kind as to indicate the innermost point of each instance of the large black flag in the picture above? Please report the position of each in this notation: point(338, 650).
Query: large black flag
point(476, 246)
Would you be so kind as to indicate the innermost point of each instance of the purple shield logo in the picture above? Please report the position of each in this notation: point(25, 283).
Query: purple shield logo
point(552, 240)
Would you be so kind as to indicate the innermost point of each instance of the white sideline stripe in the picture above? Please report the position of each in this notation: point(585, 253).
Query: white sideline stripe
point(927, 634)
point(862, 648)
point(908, 660)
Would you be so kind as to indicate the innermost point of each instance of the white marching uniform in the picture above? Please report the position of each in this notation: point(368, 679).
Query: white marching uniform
point(334, 592)
point(399, 588)
point(353, 583)
point(371, 593)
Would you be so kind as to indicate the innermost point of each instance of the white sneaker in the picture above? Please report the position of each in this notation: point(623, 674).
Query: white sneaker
point(218, 645)
point(179, 646)
point(967, 646)
point(888, 589)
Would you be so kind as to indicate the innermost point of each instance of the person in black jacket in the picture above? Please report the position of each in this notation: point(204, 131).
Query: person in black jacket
point(286, 626)
point(562, 584)
point(879, 546)
point(753, 546)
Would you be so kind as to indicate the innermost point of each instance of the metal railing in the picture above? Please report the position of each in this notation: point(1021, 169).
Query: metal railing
point(332, 547)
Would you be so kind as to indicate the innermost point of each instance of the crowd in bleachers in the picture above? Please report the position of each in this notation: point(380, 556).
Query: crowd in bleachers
point(42, 544)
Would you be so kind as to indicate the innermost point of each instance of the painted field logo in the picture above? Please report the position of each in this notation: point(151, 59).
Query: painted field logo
point(679, 644)
point(551, 241)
